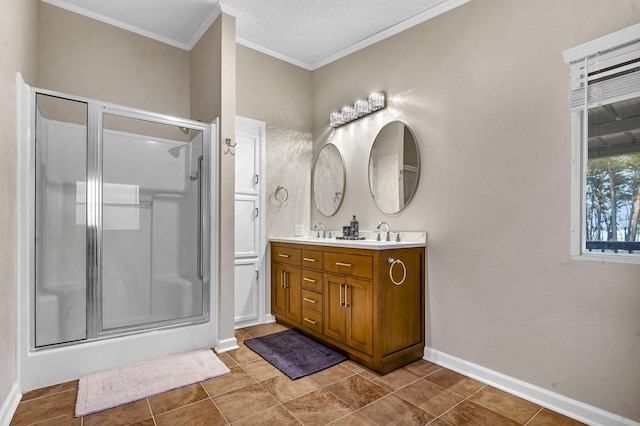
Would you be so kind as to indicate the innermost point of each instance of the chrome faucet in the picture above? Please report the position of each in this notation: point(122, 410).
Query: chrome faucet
point(378, 230)
point(324, 233)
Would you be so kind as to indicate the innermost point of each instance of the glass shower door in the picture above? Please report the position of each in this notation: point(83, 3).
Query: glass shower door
point(151, 223)
point(60, 221)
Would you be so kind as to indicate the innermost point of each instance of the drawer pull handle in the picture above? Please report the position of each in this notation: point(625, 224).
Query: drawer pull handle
point(346, 301)
point(308, 259)
point(309, 300)
point(283, 255)
point(310, 280)
point(349, 265)
point(311, 321)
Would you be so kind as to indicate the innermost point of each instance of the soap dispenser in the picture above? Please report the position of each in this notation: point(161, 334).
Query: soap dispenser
point(355, 227)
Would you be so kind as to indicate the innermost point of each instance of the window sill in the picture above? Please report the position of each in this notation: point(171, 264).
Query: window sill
point(607, 258)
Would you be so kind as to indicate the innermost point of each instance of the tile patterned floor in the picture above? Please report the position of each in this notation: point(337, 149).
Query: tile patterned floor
point(256, 393)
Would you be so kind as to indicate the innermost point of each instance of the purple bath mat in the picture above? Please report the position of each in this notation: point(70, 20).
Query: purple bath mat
point(294, 354)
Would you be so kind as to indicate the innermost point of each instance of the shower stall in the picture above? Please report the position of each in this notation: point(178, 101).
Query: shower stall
point(117, 239)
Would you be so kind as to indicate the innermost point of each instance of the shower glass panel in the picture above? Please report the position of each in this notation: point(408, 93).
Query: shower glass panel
point(60, 234)
point(151, 219)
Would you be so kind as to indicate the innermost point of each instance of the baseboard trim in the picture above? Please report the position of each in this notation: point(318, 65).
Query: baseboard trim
point(226, 345)
point(10, 405)
point(559, 403)
point(269, 319)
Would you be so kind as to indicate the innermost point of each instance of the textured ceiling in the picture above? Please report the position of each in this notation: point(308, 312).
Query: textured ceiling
point(308, 33)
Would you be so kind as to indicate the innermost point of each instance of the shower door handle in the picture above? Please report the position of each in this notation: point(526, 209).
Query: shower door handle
point(199, 229)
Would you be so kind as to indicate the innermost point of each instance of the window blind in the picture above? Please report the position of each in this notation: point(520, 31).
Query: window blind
point(609, 76)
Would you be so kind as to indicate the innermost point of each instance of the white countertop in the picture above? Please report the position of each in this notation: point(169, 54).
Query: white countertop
point(407, 240)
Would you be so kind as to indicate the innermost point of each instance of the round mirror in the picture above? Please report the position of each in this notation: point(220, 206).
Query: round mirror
point(329, 177)
point(394, 167)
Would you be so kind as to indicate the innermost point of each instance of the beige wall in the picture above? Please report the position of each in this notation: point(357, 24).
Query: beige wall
point(213, 82)
point(84, 57)
point(204, 75)
point(18, 20)
point(484, 87)
point(279, 94)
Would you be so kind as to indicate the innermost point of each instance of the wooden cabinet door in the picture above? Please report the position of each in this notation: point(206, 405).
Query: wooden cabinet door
point(293, 293)
point(334, 310)
point(348, 311)
point(286, 291)
point(359, 315)
point(278, 292)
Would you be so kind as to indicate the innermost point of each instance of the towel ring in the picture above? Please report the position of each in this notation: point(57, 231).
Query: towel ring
point(286, 193)
point(393, 262)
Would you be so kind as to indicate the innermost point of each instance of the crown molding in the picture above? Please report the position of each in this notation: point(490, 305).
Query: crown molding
point(273, 53)
point(391, 31)
point(223, 8)
point(132, 28)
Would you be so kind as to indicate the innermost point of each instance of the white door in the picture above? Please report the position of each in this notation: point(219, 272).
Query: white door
point(249, 223)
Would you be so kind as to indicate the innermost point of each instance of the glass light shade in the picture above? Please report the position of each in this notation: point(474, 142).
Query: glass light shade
point(349, 113)
point(362, 107)
point(376, 101)
point(336, 119)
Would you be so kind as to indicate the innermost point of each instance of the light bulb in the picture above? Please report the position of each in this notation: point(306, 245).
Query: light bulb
point(349, 113)
point(336, 119)
point(362, 107)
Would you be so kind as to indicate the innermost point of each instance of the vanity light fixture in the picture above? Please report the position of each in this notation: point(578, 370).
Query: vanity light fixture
point(360, 108)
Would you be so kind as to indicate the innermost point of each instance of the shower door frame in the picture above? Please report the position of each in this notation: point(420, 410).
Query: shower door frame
point(96, 110)
point(70, 362)
point(192, 326)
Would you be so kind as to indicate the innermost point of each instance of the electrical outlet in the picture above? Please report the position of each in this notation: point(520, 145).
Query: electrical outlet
point(299, 232)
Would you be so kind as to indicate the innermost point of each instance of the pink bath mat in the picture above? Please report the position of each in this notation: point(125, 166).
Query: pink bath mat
point(110, 388)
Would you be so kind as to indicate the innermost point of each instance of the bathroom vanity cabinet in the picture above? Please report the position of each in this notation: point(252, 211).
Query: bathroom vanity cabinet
point(346, 297)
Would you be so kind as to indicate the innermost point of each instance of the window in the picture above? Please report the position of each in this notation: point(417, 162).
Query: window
point(605, 133)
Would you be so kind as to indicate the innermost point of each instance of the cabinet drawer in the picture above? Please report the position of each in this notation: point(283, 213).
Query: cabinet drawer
point(312, 319)
point(311, 300)
point(312, 280)
point(290, 256)
point(312, 259)
point(349, 264)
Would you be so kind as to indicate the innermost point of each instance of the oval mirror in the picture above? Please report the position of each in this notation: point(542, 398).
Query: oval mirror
point(394, 167)
point(329, 178)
